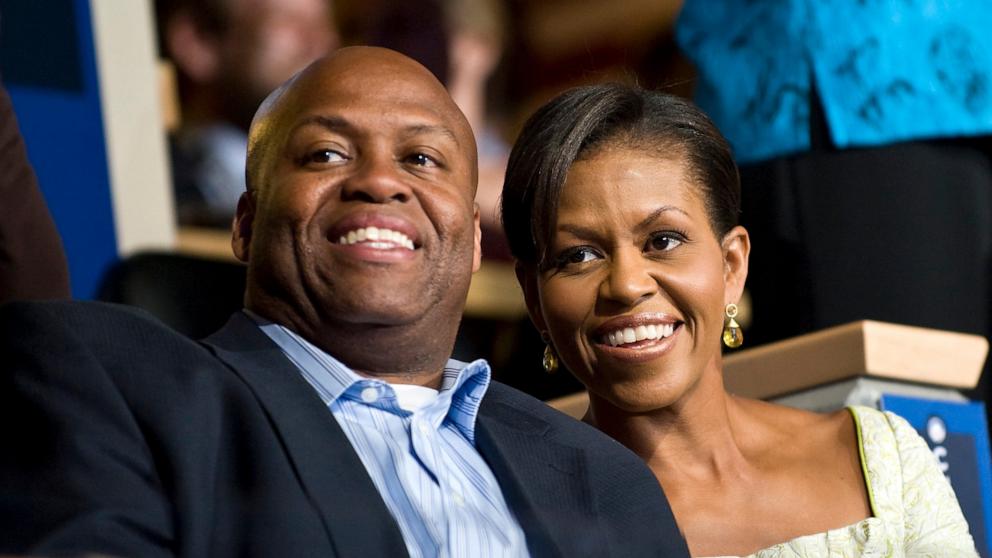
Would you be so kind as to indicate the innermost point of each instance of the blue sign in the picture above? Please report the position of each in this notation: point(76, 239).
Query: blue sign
point(958, 436)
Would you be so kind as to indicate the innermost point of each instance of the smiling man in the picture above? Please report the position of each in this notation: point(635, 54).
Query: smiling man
point(326, 419)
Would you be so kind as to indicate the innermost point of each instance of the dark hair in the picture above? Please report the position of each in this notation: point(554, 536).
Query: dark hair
point(561, 132)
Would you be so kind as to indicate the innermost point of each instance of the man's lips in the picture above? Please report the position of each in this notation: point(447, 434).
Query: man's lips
point(378, 238)
point(375, 231)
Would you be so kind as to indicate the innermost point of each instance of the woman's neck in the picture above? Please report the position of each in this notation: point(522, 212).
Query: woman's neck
point(697, 437)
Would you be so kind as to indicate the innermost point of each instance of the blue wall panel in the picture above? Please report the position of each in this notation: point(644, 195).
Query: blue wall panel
point(61, 120)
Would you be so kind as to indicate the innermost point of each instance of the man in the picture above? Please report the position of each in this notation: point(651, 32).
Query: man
point(325, 420)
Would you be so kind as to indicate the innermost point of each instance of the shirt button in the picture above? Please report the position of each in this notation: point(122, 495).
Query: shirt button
point(456, 496)
point(422, 426)
point(370, 395)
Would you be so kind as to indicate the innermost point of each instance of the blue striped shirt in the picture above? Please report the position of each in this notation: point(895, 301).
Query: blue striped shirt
point(423, 462)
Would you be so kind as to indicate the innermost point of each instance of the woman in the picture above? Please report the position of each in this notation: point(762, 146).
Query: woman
point(620, 206)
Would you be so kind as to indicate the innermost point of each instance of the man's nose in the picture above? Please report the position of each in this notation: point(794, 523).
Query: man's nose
point(377, 180)
point(629, 280)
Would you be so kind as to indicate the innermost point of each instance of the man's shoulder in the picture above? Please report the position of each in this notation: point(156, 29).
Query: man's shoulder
point(80, 312)
point(507, 403)
point(104, 327)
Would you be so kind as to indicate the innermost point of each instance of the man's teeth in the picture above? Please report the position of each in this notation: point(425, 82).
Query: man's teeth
point(639, 333)
point(377, 238)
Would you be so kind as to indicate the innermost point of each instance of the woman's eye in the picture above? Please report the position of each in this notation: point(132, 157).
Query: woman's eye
point(665, 241)
point(422, 160)
point(574, 256)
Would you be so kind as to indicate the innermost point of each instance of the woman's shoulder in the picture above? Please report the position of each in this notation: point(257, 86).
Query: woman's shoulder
point(907, 486)
point(807, 444)
point(801, 431)
point(888, 440)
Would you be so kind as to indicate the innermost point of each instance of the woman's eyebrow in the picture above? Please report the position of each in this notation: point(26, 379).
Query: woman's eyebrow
point(653, 216)
point(581, 231)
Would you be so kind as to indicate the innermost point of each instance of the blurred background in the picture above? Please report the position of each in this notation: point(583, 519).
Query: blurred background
point(862, 134)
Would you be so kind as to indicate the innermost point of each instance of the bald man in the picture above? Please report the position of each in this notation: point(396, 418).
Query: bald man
point(325, 419)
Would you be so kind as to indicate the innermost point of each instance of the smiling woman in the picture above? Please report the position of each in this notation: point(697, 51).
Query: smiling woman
point(621, 206)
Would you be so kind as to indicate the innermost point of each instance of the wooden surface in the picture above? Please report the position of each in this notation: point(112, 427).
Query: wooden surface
point(865, 348)
point(494, 292)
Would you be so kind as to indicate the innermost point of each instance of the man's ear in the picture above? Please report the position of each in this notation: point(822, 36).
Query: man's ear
point(241, 226)
point(527, 277)
point(194, 52)
point(477, 253)
point(736, 246)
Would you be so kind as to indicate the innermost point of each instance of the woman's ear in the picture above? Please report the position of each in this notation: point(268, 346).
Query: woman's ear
point(241, 226)
point(736, 246)
point(527, 277)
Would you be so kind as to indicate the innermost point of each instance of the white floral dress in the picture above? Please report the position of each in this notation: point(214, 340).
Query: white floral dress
point(914, 510)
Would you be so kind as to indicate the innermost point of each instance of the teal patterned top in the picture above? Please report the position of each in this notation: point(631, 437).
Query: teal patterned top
point(914, 510)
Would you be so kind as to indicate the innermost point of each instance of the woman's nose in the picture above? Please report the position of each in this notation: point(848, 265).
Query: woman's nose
point(629, 280)
point(376, 180)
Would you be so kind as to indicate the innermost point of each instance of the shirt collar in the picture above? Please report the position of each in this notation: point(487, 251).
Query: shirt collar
point(462, 384)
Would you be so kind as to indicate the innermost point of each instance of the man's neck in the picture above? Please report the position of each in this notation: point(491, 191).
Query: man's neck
point(401, 354)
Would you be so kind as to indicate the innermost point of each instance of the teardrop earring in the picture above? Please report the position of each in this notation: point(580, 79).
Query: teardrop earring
point(550, 359)
point(733, 336)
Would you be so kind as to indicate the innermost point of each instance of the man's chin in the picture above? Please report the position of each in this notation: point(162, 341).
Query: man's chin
point(377, 313)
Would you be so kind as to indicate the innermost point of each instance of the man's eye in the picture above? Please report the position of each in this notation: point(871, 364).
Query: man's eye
point(324, 156)
point(422, 160)
point(665, 241)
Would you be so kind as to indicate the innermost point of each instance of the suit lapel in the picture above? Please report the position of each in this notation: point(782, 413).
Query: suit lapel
point(330, 471)
point(545, 484)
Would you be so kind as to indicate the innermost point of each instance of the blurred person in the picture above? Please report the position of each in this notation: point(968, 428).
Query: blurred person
point(327, 418)
point(461, 42)
point(229, 54)
point(476, 36)
point(863, 133)
point(621, 207)
point(32, 260)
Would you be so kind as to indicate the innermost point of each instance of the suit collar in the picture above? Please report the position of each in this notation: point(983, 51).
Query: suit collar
point(330, 471)
point(546, 484)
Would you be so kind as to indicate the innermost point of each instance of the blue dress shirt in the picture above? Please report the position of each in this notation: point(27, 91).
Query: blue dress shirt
point(884, 70)
point(423, 462)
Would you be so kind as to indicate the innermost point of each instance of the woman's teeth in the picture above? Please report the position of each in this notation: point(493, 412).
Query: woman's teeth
point(639, 333)
point(377, 238)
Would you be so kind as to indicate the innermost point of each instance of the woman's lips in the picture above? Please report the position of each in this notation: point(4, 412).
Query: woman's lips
point(640, 350)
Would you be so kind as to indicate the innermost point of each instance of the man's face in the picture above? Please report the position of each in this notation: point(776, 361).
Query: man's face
point(363, 213)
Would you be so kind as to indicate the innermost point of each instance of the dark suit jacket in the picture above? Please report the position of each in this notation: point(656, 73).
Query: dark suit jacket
point(120, 436)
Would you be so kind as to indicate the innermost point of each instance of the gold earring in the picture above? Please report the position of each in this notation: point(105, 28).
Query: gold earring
point(733, 337)
point(550, 359)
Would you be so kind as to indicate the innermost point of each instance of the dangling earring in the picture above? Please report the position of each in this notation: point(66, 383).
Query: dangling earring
point(733, 337)
point(550, 360)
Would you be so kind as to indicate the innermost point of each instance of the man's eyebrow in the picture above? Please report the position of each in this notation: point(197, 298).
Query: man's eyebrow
point(338, 123)
point(417, 129)
point(329, 122)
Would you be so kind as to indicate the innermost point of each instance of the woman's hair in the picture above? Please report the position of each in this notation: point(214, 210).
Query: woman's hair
point(562, 131)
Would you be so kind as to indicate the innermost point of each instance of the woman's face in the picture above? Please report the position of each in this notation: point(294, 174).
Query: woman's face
point(637, 281)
